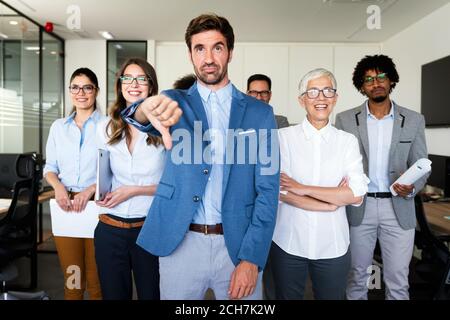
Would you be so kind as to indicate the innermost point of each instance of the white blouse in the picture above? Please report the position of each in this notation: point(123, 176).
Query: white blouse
point(317, 158)
point(143, 167)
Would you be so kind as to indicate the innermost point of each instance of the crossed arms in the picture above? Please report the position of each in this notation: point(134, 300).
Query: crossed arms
point(314, 198)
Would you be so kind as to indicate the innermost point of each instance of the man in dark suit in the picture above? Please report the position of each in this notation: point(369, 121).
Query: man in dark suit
point(391, 139)
point(211, 221)
point(259, 86)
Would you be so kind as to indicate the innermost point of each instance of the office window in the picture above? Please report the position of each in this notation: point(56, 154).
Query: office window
point(31, 81)
point(118, 52)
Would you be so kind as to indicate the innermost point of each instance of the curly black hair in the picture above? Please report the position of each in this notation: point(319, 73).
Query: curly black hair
point(380, 63)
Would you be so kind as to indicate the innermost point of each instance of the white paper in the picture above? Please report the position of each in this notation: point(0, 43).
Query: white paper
point(414, 173)
point(74, 224)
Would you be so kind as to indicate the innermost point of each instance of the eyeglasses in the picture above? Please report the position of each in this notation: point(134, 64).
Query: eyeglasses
point(88, 89)
point(264, 94)
point(143, 81)
point(381, 77)
point(313, 93)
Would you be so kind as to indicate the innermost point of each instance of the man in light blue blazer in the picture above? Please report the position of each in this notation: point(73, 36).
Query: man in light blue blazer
point(213, 214)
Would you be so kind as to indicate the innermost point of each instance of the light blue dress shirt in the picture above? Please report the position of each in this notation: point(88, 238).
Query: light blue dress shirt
point(380, 137)
point(217, 107)
point(71, 153)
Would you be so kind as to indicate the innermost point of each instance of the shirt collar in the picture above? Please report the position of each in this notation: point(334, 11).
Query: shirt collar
point(223, 94)
point(95, 116)
point(389, 115)
point(310, 131)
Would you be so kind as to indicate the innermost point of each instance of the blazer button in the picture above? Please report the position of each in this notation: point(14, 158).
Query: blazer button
point(205, 171)
point(196, 198)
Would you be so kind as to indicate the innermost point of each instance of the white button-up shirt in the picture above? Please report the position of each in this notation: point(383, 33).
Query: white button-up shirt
point(143, 167)
point(317, 158)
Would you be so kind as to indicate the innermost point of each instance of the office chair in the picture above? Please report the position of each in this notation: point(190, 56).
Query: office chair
point(434, 265)
point(19, 179)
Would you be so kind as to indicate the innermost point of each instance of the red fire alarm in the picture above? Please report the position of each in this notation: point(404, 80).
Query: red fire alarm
point(48, 27)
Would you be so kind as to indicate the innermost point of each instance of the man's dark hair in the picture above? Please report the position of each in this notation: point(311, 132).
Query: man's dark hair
point(185, 82)
point(259, 77)
point(207, 22)
point(379, 63)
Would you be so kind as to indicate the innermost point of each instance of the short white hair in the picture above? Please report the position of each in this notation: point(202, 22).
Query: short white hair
point(315, 74)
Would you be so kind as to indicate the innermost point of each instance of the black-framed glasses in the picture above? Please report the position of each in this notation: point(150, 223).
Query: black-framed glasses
point(88, 89)
point(381, 77)
point(143, 81)
point(254, 93)
point(313, 93)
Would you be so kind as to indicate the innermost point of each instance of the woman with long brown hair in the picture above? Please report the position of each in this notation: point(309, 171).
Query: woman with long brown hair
point(137, 162)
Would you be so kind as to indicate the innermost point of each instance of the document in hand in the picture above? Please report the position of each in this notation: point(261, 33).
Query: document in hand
point(74, 224)
point(414, 173)
point(104, 174)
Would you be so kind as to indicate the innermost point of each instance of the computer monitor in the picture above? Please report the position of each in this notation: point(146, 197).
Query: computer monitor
point(440, 173)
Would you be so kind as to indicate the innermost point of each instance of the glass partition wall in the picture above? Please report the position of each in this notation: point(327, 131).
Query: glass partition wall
point(31, 83)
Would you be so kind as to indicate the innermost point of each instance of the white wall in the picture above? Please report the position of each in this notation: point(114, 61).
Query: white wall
point(90, 54)
point(423, 42)
point(284, 63)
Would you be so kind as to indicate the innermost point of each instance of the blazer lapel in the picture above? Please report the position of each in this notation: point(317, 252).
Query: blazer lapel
point(238, 105)
point(196, 104)
point(237, 109)
point(399, 120)
point(361, 122)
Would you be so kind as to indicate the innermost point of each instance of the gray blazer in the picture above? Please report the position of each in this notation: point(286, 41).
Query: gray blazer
point(407, 146)
point(282, 121)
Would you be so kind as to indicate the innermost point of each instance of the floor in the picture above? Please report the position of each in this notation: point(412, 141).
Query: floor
point(50, 278)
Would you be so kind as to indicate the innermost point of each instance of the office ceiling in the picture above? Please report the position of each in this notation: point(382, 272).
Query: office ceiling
point(252, 20)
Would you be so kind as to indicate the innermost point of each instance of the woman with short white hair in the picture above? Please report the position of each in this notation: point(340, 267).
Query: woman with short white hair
point(321, 173)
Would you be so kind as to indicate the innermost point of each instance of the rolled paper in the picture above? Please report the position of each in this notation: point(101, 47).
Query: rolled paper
point(414, 173)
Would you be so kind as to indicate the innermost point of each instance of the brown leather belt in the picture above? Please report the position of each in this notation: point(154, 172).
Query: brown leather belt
point(72, 194)
point(119, 224)
point(206, 229)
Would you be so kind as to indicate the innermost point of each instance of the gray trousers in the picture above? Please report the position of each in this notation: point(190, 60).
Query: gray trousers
point(200, 262)
point(396, 249)
point(328, 276)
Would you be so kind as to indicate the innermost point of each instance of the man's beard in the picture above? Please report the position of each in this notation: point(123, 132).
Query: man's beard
point(379, 99)
point(211, 81)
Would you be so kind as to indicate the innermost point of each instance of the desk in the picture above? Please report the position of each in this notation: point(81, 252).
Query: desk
point(43, 197)
point(4, 205)
point(436, 213)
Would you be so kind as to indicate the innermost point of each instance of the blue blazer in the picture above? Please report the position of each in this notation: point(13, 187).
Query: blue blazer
point(250, 197)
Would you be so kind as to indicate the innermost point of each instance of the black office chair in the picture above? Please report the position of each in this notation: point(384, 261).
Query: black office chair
point(19, 180)
point(434, 265)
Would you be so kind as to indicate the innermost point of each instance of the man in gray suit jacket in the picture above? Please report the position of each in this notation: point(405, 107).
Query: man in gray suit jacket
point(391, 139)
